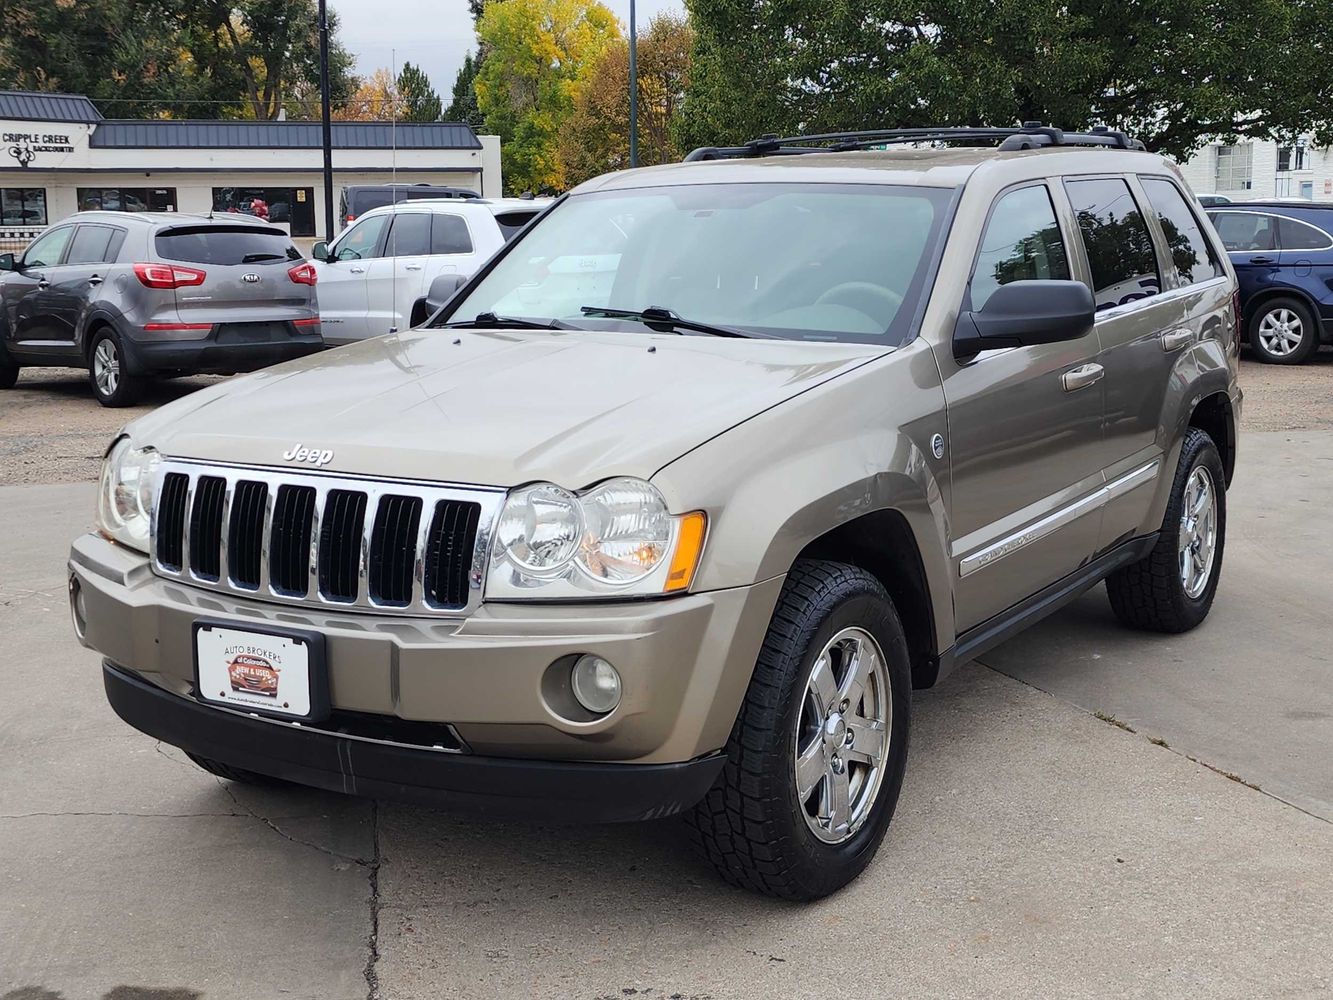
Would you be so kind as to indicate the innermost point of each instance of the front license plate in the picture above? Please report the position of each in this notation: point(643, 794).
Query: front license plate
point(270, 672)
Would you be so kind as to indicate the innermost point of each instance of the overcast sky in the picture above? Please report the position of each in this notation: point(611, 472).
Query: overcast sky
point(434, 34)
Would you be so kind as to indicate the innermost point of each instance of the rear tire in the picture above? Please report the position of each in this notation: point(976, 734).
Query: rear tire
point(1172, 588)
point(9, 373)
point(238, 774)
point(111, 384)
point(1284, 332)
point(807, 793)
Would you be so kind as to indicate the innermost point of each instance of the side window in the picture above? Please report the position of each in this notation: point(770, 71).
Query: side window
point(1243, 231)
point(409, 236)
point(89, 245)
point(113, 247)
point(1022, 241)
point(48, 247)
point(1294, 235)
point(1120, 250)
point(360, 242)
point(1190, 252)
point(448, 234)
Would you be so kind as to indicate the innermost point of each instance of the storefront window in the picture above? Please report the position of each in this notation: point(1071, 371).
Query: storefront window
point(23, 206)
point(294, 207)
point(120, 199)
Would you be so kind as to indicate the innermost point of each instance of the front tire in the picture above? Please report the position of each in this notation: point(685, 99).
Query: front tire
point(816, 758)
point(1172, 588)
point(9, 373)
point(111, 383)
point(1284, 332)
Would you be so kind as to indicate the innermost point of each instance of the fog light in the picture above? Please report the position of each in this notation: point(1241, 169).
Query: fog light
point(596, 684)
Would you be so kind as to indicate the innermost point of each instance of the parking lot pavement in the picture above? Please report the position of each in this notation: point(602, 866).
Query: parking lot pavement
point(1250, 691)
point(1037, 851)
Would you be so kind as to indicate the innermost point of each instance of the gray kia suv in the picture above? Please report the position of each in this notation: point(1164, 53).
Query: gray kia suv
point(673, 504)
point(130, 295)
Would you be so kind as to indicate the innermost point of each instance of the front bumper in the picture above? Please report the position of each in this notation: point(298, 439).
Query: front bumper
point(544, 790)
point(685, 661)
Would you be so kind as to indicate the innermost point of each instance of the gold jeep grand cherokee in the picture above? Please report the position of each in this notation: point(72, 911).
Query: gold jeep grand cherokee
point(669, 508)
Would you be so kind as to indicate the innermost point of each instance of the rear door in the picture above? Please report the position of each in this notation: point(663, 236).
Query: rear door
point(29, 325)
point(1252, 242)
point(343, 298)
point(78, 283)
point(241, 282)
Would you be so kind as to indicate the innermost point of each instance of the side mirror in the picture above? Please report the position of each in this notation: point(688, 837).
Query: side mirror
point(441, 290)
point(7, 262)
point(1022, 313)
point(320, 251)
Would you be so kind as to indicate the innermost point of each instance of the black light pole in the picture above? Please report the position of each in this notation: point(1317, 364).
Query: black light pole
point(325, 118)
point(633, 89)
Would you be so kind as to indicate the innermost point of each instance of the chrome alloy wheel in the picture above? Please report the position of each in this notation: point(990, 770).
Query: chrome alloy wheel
point(106, 368)
point(1280, 332)
point(842, 735)
point(1198, 532)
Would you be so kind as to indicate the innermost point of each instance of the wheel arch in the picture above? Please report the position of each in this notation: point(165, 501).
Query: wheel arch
point(1215, 416)
point(1261, 298)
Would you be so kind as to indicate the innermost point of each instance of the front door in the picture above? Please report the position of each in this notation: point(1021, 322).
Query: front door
point(29, 324)
point(1025, 429)
point(342, 287)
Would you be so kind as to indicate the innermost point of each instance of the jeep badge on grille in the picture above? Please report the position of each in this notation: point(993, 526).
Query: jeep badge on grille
point(312, 456)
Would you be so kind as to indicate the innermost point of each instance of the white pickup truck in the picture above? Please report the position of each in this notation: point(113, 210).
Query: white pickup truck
point(373, 274)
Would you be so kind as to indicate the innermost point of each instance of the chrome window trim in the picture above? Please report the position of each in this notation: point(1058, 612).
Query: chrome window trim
point(1221, 209)
point(490, 499)
point(1057, 519)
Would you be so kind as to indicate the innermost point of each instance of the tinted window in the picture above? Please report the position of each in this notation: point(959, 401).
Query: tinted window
point(1120, 251)
point(1293, 235)
point(90, 245)
point(361, 241)
point(448, 234)
point(1241, 231)
point(225, 245)
point(1189, 250)
point(818, 262)
point(23, 206)
point(364, 199)
point(409, 236)
point(48, 248)
point(1022, 241)
point(511, 222)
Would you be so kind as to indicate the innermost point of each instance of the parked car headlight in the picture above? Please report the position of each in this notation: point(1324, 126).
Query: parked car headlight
point(125, 500)
point(616, 539)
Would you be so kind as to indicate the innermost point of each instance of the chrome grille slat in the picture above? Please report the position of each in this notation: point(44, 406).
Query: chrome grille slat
point(262, 529)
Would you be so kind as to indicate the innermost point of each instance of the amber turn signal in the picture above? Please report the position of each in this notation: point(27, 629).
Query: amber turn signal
point(689, 547)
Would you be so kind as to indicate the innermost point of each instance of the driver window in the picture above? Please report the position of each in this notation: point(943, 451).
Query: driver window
point(1022, 242)
point(359, 242)
point(49, 248)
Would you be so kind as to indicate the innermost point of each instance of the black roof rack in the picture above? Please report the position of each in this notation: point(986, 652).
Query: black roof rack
point(1031, 135)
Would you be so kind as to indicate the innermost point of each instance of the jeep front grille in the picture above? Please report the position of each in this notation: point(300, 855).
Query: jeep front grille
point(324, 540)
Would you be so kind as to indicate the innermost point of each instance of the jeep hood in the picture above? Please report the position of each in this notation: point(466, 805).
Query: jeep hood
point(496, 407)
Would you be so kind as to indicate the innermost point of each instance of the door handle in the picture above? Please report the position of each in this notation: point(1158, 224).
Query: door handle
point(1173, 339)
point(94, 280)
point(412, 267)
point(1263, 260)
point(43, 283)
point(357, 270)
point(1081, 377)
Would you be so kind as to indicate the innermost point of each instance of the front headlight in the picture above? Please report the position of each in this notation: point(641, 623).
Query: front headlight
point(616, 539)
point(125, 500)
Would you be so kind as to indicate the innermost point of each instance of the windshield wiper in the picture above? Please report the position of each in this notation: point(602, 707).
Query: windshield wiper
point(255, 258)
point(489, 319)
point(663, 320)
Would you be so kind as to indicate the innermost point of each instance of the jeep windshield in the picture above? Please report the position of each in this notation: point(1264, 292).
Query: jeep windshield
point(840, 262)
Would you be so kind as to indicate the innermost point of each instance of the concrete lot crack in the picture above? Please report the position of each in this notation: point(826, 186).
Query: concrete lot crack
point(247, 811)
point(1111, 720)
point(373, 957)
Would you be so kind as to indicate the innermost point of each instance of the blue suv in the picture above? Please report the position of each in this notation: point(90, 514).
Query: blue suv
point(1283, 255)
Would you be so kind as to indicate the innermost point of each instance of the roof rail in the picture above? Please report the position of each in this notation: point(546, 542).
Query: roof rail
point(1031, 135)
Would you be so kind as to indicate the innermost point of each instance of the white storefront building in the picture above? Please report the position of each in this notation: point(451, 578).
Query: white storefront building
point(1262, 169)
point(58, 155)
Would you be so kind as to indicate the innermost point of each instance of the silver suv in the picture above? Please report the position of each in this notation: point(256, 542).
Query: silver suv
point(671, 506)
point(133, 295)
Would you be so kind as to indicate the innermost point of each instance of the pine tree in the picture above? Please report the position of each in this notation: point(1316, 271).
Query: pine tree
point(463, 108)
point(420, 102)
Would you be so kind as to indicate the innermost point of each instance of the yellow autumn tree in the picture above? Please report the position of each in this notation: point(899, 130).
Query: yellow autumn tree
point(538, 54)
point(372, 101)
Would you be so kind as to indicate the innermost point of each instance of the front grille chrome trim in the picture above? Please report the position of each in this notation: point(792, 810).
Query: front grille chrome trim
point(488, 499)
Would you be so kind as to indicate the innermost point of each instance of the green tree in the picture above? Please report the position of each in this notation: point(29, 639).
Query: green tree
point(538, 52)
point(595, 139)
point(1176, 73)
point(419, 101)
point(463, 105)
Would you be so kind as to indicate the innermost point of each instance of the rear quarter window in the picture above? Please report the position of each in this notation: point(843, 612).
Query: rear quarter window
point(1190, 253)
point(511, 222)
point(1296, 235)
point(224, 245)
